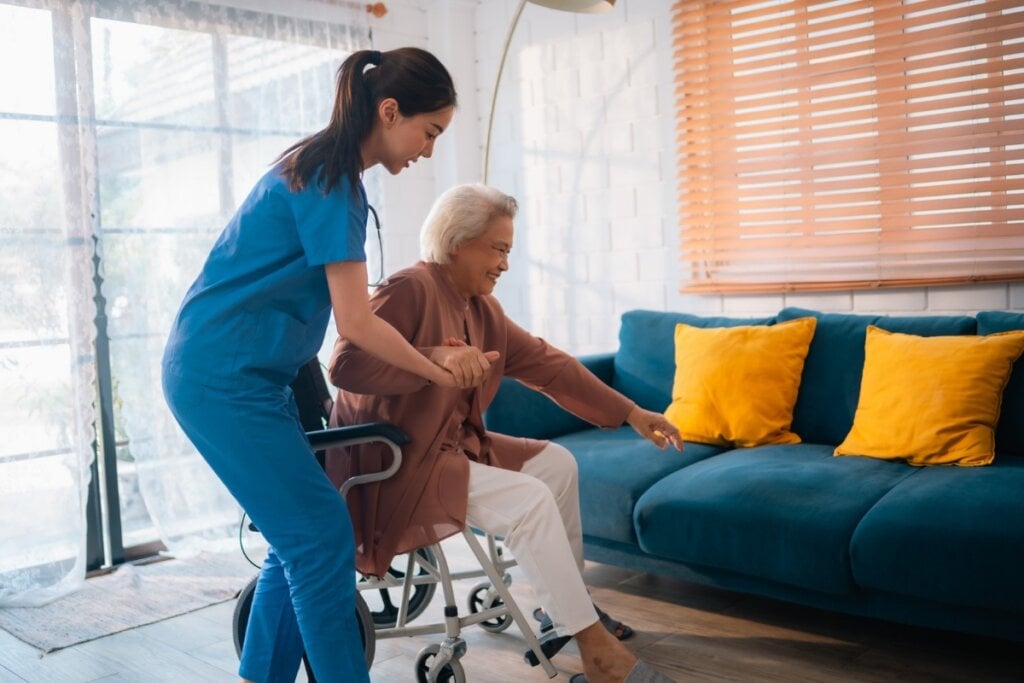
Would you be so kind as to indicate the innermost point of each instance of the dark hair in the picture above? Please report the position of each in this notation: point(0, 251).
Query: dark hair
point(415, 78)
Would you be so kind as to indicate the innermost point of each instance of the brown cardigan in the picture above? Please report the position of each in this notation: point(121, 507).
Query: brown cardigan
point(426, 500)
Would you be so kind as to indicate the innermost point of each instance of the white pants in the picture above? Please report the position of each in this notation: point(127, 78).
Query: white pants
point(537, 511)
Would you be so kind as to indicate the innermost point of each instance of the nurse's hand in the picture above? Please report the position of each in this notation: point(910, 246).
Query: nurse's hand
point(468, 365)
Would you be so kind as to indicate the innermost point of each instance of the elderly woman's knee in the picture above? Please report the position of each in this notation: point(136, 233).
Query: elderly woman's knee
point(566, 460)
point(562, 464)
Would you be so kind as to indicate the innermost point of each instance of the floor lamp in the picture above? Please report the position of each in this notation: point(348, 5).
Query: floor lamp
point(583, 6)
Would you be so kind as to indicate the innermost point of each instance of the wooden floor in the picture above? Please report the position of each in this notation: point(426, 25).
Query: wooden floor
point(689, 632)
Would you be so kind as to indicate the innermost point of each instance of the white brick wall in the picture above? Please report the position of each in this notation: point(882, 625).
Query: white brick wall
point(991, 297)
point(1017, 297)
point(895, 301)
point(599, 174)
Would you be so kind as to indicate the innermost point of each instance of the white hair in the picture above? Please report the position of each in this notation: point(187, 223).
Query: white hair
point(459, 215)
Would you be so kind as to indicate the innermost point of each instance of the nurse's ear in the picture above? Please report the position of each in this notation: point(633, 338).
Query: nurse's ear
point(387, 112)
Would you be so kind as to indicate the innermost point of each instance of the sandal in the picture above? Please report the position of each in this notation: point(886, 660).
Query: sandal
point(642, 672)
point(614, 626)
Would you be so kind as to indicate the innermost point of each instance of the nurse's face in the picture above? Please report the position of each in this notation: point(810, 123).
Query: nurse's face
point(404, 139)
point(476, 265)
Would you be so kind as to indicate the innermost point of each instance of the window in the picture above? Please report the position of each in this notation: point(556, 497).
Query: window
point(849, 144)
point(131, 131)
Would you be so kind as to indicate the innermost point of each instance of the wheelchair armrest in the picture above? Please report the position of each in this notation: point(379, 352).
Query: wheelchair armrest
point(383, 432)
point(340, 436)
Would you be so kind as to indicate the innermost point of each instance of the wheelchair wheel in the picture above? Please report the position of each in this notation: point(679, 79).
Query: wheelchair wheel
point(240, 622)
point(481, 598)
point(452, 672)
point(383, 602)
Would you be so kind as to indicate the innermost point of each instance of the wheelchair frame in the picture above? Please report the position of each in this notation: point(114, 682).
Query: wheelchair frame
point(499, 609)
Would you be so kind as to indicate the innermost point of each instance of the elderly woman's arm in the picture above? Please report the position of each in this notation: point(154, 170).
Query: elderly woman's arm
point(402, 303)
point(568, 383)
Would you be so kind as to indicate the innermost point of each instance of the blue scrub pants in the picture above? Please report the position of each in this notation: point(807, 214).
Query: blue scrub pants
point(252, 438)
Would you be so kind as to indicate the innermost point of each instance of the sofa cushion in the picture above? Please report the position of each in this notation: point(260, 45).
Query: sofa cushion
point(928, 325)
point(931, 400)
point(1010, 430)
point(952, 535)
point(736, 386)
point(830, 385)
point(784, 513)
point(644, 363)
point(831, 379)
point(615, 467)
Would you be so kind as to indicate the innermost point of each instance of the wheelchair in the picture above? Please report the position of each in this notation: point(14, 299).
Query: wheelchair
point(404, 592)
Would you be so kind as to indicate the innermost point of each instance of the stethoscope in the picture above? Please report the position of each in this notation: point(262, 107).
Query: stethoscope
point(380, 246)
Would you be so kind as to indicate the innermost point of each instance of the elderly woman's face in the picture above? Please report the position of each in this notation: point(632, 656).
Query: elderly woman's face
point(476, 265)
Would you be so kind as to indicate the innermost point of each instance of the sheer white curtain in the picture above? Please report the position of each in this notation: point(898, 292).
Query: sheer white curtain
point(131, 131)
point(47, 311)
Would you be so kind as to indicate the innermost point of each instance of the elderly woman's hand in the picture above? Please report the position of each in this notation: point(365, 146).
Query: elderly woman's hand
point(467, 364)
point(655, 428)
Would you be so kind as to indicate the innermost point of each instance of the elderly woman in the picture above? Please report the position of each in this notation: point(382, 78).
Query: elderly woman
point(454, 471)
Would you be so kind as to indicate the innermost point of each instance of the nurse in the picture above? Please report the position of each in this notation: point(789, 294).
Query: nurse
point(259, 310)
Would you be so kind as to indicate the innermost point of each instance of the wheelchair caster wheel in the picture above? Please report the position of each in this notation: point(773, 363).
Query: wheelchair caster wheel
point(451, 672)
point(481, 598)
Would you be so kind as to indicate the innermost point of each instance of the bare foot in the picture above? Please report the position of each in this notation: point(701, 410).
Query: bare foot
point(605, 659)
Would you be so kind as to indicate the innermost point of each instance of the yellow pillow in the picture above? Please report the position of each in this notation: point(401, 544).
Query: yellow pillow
point(736, 386)
point(931, 400)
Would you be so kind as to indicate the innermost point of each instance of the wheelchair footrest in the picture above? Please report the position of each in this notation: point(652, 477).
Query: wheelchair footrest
point(550, 644)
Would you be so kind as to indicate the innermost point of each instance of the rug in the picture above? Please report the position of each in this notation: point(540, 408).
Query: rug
point(132, 595)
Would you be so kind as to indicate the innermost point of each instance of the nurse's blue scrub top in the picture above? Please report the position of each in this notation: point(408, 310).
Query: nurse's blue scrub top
point(260, 307)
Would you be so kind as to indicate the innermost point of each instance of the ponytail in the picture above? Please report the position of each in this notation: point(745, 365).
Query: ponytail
point(413, 77)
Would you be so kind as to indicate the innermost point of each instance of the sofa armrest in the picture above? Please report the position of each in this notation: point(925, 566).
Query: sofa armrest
point(520, 411)
point(601, 364)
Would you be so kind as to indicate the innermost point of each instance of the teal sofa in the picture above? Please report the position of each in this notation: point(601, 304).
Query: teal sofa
point(940, 547)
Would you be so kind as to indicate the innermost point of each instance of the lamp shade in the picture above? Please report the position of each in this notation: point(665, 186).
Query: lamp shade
point(584, 6)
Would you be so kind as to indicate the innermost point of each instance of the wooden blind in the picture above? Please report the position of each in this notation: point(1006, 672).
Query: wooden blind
point(849, 144)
